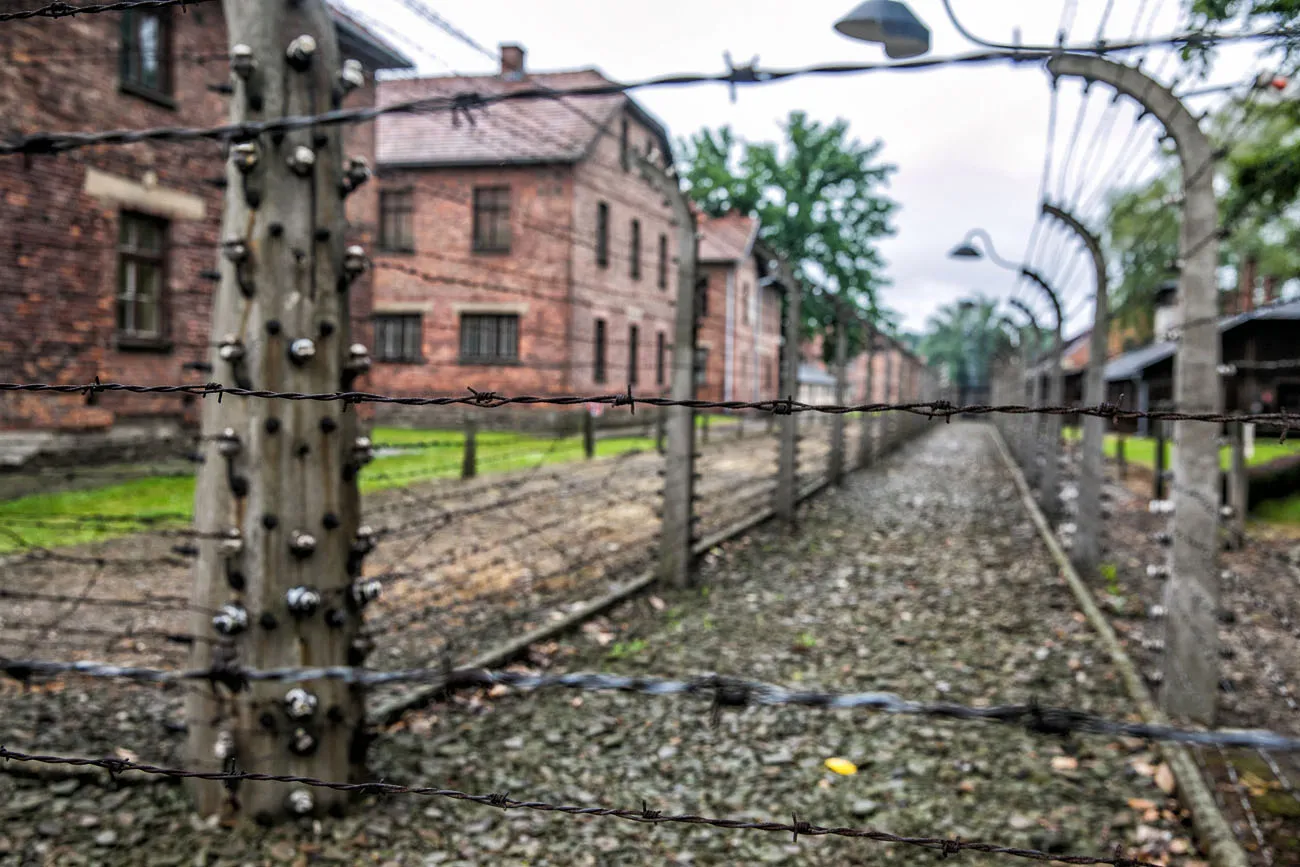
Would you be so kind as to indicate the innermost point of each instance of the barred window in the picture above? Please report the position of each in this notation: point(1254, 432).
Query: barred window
point(146, 52)
point(492, 219)
point(634, 253)
point(141, 260)
point(663, 261)
point(599, 373)
point(489, 338)
point(397, 221)
point(660, 352)
point(633, 338)
point(398, 337)
point(602, 234)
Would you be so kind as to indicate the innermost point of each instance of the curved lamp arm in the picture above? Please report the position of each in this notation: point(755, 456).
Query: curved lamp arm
point(967, 250)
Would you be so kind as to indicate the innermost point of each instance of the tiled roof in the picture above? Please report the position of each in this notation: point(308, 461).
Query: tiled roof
point(515, 131)
point(358, 40)
point(728, 238)
point(811, 374)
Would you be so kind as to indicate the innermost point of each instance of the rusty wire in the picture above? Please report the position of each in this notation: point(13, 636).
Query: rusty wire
point(946, 846)
point(778, 406)
point(59, 9)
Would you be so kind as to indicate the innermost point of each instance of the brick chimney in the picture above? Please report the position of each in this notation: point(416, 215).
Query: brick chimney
point(512, 61)
point(1246, 285)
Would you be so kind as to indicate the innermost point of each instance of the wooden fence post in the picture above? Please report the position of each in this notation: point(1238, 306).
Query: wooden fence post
point(787, 457)
point(277, 576)
point(675, 537)
point(469, 462)
point(1238, 485)
point(588, 435)
point(841, 391)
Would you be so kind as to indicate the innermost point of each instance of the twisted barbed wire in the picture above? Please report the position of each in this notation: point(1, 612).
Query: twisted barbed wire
point(721, 691)
point(59, 9)
point(944, 845)
point(932, 409)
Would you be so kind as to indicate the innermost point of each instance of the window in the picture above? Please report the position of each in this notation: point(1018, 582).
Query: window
point(492, 219)
point(146, 52)
point(663, 261)
point(659, 358)
point(397, 221)
point(141, 257)
point(633, 338)
point(599, 373)
point(701, 365)
point(489, 338)
point(398, 337)
point(634, 254)
point(702, 296)
point(624, 154)
point(602, 234)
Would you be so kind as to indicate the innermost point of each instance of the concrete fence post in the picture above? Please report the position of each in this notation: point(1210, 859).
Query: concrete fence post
point(836, 465)
point(469, 460)
point(787, 497)
point(675, 537)
point(1190, 686)
point(1238, 485)
point(867, 420)
point(276, 582)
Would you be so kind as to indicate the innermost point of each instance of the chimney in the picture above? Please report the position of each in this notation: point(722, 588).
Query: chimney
point(1246, 285)
point(512, 61)
point(1270, 288)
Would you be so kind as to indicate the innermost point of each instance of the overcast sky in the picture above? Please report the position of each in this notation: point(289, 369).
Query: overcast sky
point(969, 141)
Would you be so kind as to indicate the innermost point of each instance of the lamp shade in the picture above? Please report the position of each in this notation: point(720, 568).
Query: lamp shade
point(965, 251)
point(890, 23)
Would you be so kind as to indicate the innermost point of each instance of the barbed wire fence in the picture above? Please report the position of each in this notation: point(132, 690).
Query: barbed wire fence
point(893, 408)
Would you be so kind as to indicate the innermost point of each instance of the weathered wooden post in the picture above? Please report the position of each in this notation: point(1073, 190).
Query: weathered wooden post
point(867, 419)
point(588, 435)
point(278, 583)
point(1191, 683)
point(675, 538)
point(836, 464)
point(787, 497)
point(1238, 485)
point(469, 461)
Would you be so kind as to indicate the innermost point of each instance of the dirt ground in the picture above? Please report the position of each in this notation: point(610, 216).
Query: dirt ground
point(1259, 636)
point(922, 576)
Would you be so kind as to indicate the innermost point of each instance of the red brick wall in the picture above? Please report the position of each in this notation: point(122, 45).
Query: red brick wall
point(531, 280)
point(610, 292)
point(59, 264)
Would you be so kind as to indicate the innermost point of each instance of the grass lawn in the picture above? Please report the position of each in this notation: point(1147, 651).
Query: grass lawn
point(1142, 450)
point(170, 499)
point(1279, 511)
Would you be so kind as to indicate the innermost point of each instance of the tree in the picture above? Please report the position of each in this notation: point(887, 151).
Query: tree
point(817, 196)
point(1141, 237)
point(964, 338)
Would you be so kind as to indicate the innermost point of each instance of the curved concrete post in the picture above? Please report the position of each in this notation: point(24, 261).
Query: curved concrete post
point(1087, 542)
point(1190, 685)
point(1049, 488)
point(1031, 427)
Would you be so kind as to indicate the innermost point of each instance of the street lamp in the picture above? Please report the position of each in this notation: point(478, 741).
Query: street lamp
point(889, 23)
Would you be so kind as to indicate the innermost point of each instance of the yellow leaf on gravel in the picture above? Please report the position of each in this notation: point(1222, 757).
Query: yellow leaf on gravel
point(843, 767)
point(1065, 763)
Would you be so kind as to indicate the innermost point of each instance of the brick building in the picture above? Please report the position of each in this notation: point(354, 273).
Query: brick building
point(738, 344)
point(106, 249)
point(521, 250)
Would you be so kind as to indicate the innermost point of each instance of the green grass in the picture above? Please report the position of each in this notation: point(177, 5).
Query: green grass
point(498, 452)
point(1142, 450)
point(1285, 511)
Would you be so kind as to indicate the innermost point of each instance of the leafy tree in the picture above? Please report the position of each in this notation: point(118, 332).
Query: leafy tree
point(818, 198)
point(964, 338)
point(1141, 237)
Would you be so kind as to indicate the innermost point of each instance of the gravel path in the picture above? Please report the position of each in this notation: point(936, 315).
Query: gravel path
point(923, 576)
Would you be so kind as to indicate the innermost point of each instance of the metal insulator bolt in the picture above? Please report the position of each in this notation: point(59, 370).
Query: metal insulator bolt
point(356, 174)
point(299, 704)
point(352, 76)
point(233, 544)
point(358, 359)
point(365, 541)
point(302, 544)
point(300, 52)
point(228, 443)
point(1226, 511)
point(354, 262)
point(236, 251)
point(231, 349)
point(362, 451)
point(230, 619)
point(224, 747)
point(301, 160)
point(242, 62)
point(365, 592)
point(246, 155)
point(302, 350)
point(302, 601)
point(299, 802)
